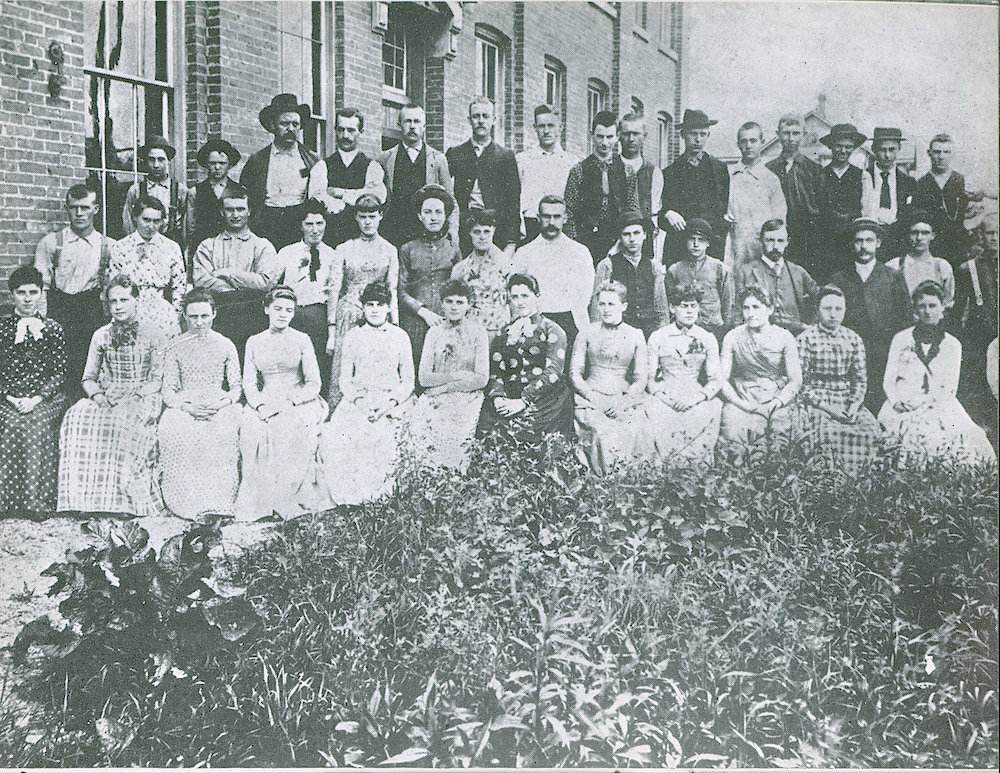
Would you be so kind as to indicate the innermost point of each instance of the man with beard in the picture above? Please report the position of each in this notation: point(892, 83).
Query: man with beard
point(486, 177)
point(801, 181)
point(942, 193)
point(277, 176)
point(877, 304)
point(840, 201)
point(238, 268)
point(788, 284)
point(409, 166)
point(564, 270)
point(345, 175)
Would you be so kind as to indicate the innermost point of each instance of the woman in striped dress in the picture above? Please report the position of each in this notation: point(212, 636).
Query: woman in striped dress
point(108, 439)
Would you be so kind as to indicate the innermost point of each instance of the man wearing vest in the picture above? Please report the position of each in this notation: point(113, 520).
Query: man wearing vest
point(157, 154)
point(277, 177)
point(486, 177)
point(942, 193)
point(205, 205)
point(408, 167)
point(627, 263)
point(73, 262)
point(340, 179)
point(648, 176)
point(887, 191)
point(599, 190)
point(877, 304)
point(694, 185)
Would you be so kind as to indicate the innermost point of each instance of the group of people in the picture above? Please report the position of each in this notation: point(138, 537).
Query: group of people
point(340, 315)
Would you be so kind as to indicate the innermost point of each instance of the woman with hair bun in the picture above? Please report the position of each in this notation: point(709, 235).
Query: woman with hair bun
point(760, 372)
point(921, 380)
point(108, 439)
point(359, 446)
point(280, 428)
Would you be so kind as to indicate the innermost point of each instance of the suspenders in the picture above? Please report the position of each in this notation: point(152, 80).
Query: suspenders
point(103, 266)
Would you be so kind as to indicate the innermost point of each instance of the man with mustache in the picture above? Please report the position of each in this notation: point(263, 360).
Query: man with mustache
point(343, 177)
point(408, 167)
point(277, 176)
point(790, 285)
point(877, 301)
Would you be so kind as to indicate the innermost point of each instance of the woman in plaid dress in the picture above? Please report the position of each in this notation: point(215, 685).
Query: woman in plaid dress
point(834, 382)
point(108, 439)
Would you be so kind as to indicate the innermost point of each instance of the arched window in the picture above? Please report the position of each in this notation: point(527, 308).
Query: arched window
point(637, 107)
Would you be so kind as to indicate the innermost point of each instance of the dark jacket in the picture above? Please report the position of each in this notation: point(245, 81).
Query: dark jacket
point(877, 309)
point(756, 272)
point(499, 182)
point(948, 205)
point(254, 177)
point(205, 212)
point(840, 200)
point(697, 191)
point(802, 185)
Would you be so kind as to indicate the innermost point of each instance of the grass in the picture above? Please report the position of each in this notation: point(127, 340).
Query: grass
point(769, 612)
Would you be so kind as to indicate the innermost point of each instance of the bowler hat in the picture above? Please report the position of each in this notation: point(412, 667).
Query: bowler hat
point(865, 224)
point(218, 145)
point(698, 226)
point(695, 119)
point(283, 103)
point(886, 133)
point(634, 217)
point(158, 142)
point(843, 131)
point(432, 191)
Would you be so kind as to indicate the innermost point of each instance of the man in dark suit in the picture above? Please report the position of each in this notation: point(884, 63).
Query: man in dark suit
point(486, 177)
point(942, 193)
point(878, 304)
point(801, 180)
point(205, 207)
point(887, 191)
point(695, 185)
point(277, 177)
point(840, 200)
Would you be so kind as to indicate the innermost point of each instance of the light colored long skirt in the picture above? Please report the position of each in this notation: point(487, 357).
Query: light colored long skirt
point(942, 428)
point(677, 437)
point(606, 442)
point(441, 427)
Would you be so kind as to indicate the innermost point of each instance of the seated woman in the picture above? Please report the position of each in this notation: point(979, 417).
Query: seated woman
point(608, 372)
point(834, 382)
point(454, 369)
point(527, 394)
point(199, 433)
point(32, 371)
point(155, 265)
point(760, 373)
point(280, 427)
point(921, 379)
point(108, 439)
point(683, 415)
point(359, 446)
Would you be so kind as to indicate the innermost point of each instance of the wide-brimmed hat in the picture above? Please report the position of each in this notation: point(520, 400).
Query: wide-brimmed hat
point(695, 119)
point(865, 224)
point(843, 131)
point(158, 142)
point(432, 191)
point(698, 226)
point(883, 133)
point(283, 103)
point(218, 145)
point(634, 217)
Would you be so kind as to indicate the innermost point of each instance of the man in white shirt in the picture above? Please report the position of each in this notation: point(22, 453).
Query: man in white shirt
point(73, 261)
point(564, 269)
point(543, 169)
point(755, 197)
point(887, 190)
point(345, 175)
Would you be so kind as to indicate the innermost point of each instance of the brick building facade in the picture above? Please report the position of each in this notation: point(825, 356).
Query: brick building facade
point(83, 83)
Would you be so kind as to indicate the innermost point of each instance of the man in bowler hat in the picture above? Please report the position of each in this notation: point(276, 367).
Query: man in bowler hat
point(277, 176)
point(694, 185)
point(156, 156)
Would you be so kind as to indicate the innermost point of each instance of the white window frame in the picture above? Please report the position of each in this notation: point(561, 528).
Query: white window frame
point(597, 101)
point(555, 91)
point(664, 138)
point(489, 45)
point(317, 60)
point(395, 39)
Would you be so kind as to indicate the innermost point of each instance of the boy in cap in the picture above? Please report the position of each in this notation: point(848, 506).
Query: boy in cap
point(156, 155)
point(706, 273)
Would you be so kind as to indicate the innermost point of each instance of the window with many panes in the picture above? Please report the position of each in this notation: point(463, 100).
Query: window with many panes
point(597, 101)
point(394, 55)
point(491, 63)
point(555, 90)
point(129, 76)
point(302, 29)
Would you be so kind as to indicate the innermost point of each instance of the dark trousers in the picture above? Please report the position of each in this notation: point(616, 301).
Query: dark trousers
point(239, 314)
point(80, 315)
point(279, 225)
point(311, 320)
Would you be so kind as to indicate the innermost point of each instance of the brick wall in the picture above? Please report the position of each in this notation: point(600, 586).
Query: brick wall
point(41, 137)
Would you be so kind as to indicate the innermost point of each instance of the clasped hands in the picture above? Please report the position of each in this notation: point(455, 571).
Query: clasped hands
point(24, 404)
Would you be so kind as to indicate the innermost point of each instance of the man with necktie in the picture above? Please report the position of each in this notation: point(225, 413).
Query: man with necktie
point(887, 190)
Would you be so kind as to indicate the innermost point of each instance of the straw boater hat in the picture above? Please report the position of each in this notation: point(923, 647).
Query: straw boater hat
point(283, 103)
point(218, 145)
point(843, 131)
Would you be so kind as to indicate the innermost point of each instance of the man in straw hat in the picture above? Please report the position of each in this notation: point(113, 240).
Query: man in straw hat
point(205, 220)
point(694, 185)
point(277, 177)
point(840, 201)
point(156, 156)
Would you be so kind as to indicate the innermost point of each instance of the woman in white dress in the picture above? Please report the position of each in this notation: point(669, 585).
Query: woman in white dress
point(921, 379)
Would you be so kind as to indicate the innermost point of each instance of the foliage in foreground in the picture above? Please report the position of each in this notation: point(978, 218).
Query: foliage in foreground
point(768, 612)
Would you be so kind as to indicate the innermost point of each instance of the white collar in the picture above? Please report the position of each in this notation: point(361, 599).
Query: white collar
point(864, 269)
point(347, 158)
point(774, 266)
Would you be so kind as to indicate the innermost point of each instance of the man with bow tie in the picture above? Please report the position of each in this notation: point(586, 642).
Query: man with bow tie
point(305, 267)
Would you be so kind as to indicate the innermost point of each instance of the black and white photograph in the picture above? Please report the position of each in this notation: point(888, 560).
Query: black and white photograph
point(499, 384)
